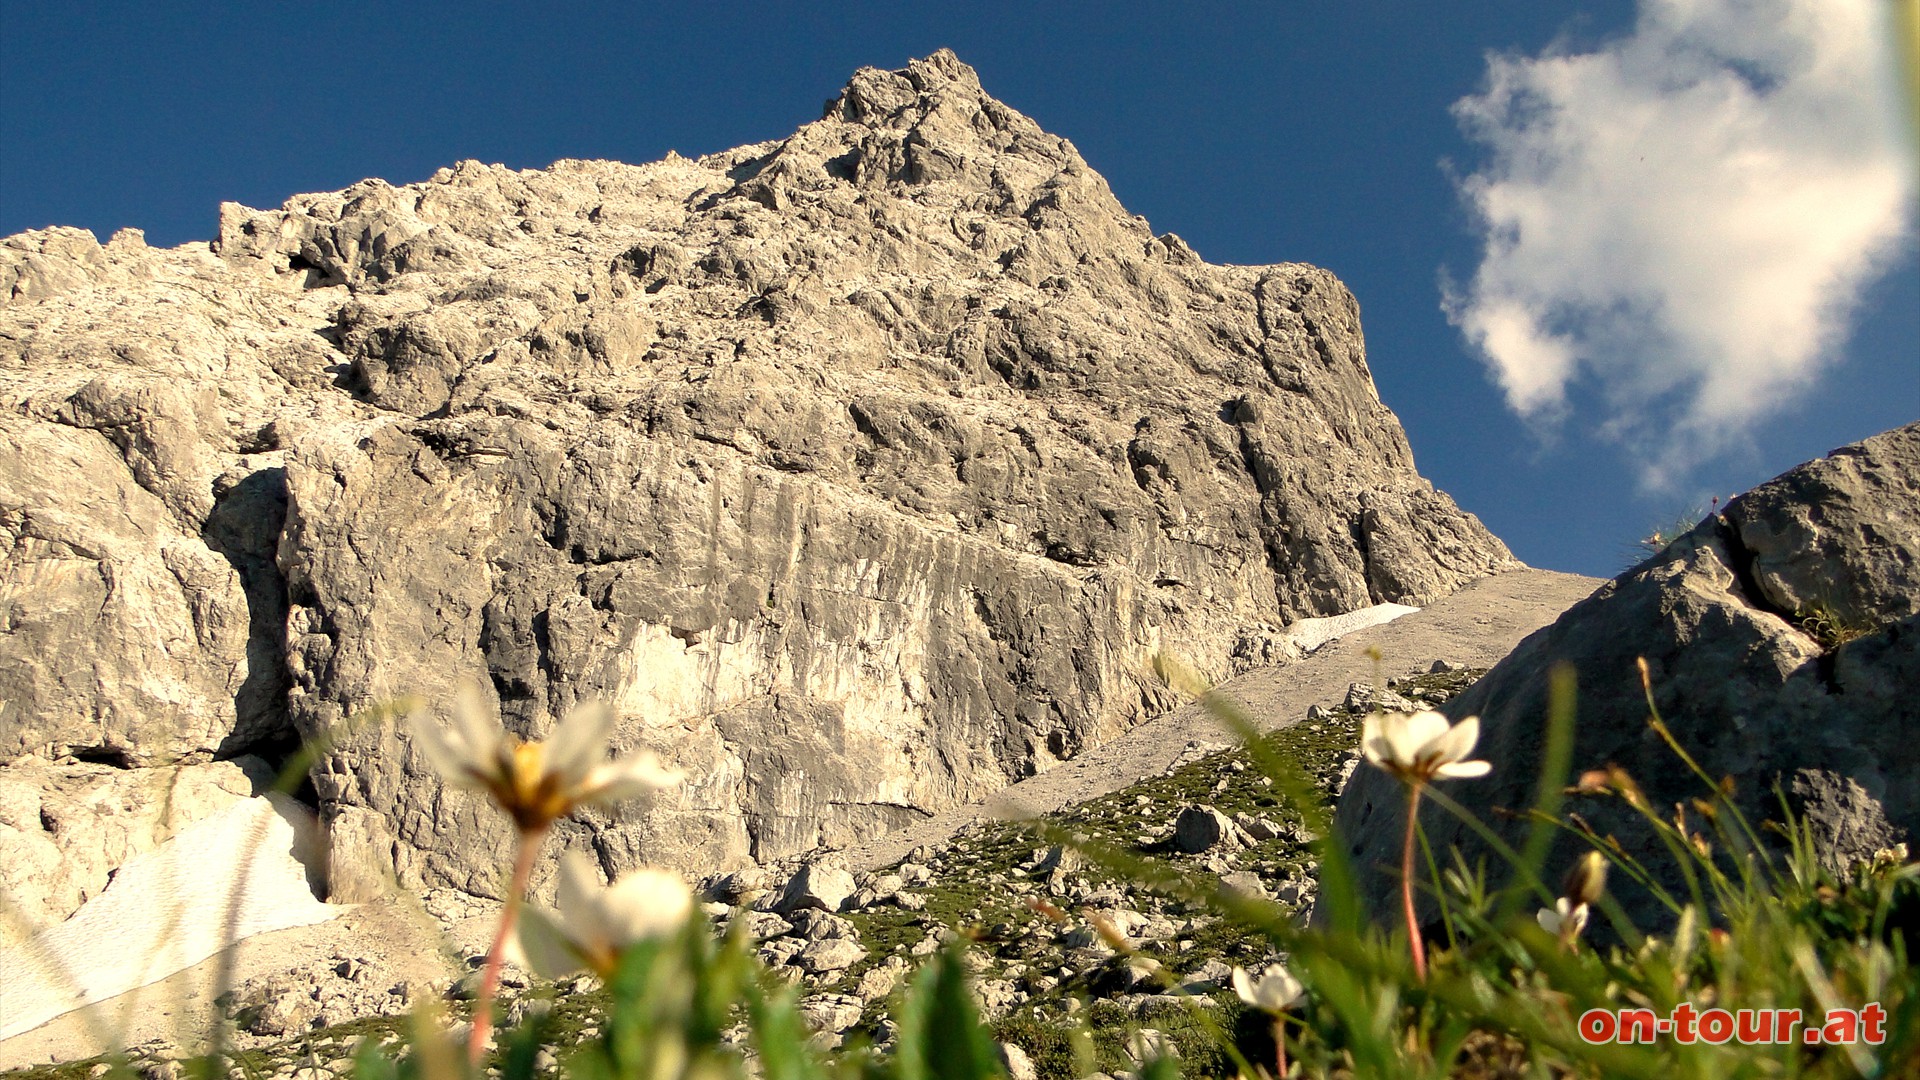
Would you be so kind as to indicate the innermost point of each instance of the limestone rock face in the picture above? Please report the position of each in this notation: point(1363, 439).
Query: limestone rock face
point(1783, 642)
point(861, 471)
point(142, 616)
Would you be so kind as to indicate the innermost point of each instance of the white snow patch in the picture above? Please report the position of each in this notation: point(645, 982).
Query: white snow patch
point(224, 878)
point(1309, 634)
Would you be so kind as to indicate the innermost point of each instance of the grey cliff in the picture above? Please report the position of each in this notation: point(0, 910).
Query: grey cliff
point(861, 470)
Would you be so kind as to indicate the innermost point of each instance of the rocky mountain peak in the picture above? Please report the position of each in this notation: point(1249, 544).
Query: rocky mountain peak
point(929, 123)
point(863, 471)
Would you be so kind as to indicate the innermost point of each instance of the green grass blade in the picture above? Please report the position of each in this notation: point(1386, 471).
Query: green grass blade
point(1556, 761)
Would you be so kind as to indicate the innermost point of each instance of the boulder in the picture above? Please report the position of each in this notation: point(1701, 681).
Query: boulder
point(1019, 1066)
point(1201, 828)
point(1055, 863)
point(1366, 698)
point(878, 982)
point(1246, 883)
point(1782, 636)
point(814, 924)
point(815, 885)
point(1257, 829)
point(830, 954)
point(739, 887)
point(830, 1013)
point(279, 1007)
point(762, 925)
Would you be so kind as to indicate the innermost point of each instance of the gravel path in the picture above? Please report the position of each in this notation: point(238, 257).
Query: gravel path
point(1476, 626)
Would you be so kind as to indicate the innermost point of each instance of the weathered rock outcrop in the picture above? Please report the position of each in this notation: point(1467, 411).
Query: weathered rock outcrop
point(860, 469)
point(1783, 641)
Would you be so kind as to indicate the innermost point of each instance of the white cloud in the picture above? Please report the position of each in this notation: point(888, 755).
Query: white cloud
point(1684, 219)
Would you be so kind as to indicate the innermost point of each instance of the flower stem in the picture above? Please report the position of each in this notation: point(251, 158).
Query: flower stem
point(1280, 1046)
point(529, 847)
point(1418, 947)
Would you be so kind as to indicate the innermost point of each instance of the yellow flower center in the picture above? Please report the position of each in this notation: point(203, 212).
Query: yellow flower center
point(601, 958)
point(525, 769)
point(524, 787)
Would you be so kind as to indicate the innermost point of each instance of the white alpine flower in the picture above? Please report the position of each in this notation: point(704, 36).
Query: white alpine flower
point(1273, 992)
point(594, 923)
point(537, 782)
point(1422, 746)
point(1564, 919)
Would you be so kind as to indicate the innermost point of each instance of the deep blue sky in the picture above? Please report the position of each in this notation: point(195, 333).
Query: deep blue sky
point(1260, 132)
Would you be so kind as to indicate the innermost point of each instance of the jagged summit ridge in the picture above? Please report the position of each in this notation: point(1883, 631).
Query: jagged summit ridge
point(912, 133)
point(862, 470)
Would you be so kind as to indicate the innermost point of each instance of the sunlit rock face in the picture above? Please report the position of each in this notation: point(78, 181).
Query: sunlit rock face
point(862, 470)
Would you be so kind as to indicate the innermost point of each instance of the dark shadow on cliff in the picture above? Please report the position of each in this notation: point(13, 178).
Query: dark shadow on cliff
point(244, 528)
